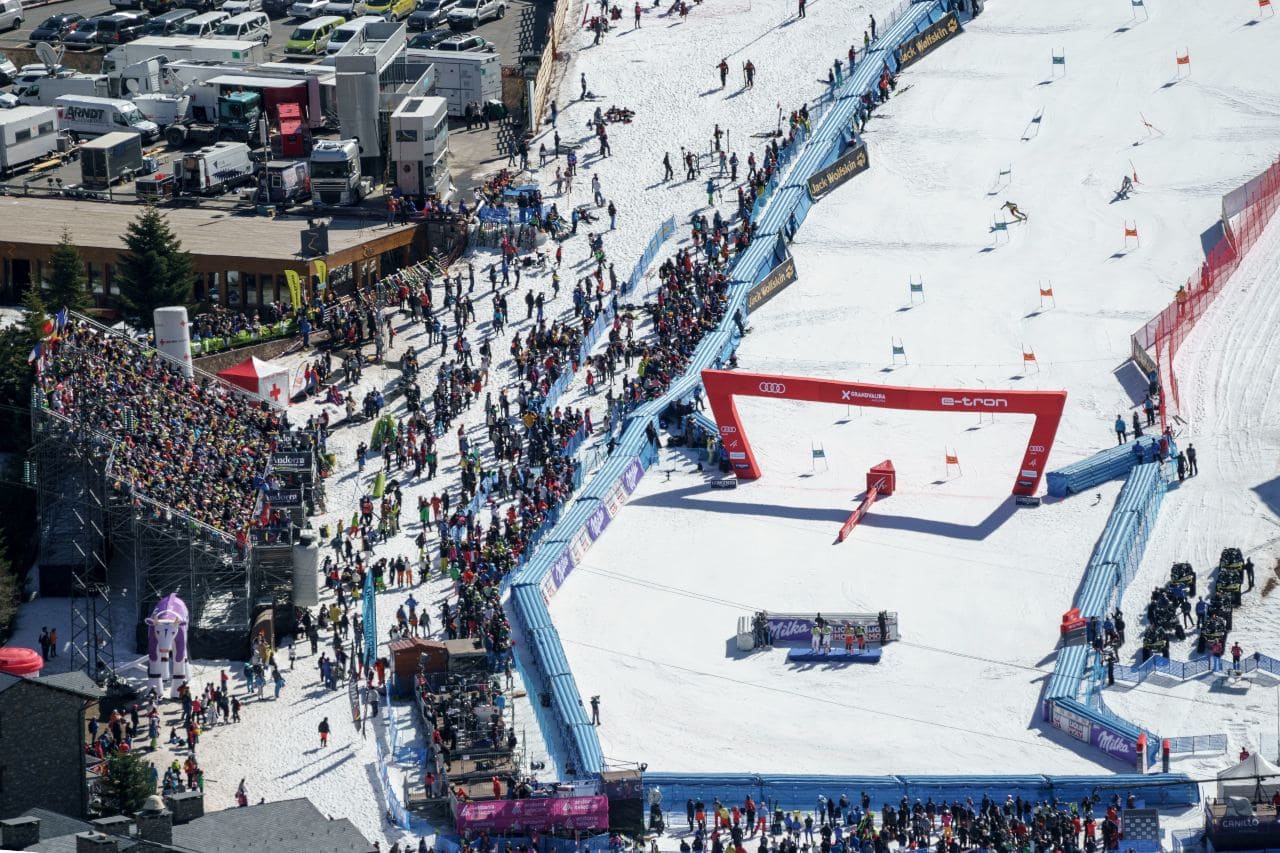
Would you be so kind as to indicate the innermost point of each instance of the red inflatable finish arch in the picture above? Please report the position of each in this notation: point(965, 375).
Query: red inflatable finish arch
point(722, 386)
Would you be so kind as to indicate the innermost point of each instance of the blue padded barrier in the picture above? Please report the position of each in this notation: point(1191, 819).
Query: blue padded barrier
point(802, 792)
point(1109, 464)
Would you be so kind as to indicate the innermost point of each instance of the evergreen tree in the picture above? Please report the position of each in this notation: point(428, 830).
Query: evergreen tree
point(154, 272)
point(36, 323)
point(126, 787)
point(67, 285)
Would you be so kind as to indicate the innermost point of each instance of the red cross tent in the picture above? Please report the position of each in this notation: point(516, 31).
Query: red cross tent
point(261, 379)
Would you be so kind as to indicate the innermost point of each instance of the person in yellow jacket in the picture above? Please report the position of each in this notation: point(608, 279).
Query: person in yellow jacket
point(827, 631)
point(815, 638)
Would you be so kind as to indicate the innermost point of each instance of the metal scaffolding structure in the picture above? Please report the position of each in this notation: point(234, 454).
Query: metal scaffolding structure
point(91, 515)
point(71, 507)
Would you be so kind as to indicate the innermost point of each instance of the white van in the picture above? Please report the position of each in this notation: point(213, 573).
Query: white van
point(202, 26)
point(352, 31)
point(87, 115)
point(10, 14)
point(248, 26)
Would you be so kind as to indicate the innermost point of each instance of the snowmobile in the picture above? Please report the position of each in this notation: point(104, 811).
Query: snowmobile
point(1185, 575)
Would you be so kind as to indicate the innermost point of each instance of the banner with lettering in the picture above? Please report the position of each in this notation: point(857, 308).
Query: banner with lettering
point(853, 162)
point(778, 279)
point(592, 530)
point(294, 282)
point(919, 46)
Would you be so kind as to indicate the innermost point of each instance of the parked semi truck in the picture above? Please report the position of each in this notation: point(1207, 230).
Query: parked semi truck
point(236, 116)
point(335, 173)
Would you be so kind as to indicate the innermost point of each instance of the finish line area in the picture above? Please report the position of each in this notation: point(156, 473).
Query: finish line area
point(920, 553)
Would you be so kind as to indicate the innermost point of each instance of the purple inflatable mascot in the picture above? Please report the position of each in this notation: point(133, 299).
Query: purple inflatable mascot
point(167, 645)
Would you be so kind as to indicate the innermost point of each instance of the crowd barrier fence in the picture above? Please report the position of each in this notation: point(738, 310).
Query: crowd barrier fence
point(1246, 211)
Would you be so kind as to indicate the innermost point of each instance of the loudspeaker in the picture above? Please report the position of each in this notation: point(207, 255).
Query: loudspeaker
point(625, 791)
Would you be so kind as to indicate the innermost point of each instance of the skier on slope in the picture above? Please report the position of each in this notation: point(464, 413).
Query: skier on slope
point(1014, 211)
point(724, 72)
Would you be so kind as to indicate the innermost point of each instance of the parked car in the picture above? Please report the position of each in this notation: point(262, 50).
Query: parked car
point(158, 7)
point(469, 14)
point(349, 9)
point(247, 26)
point(7, 70)
point(122, 27)
point(169, 22)
point(429, 39)
point(239, 7)
point(29, 74)
point(465, 44)
point(11, 15)
point(312, 37)
point(202, 26)
point(308, 8)
point(276, 8)
point(391, 10)
point(430, 13)
point(84, 36)
point(54, 27)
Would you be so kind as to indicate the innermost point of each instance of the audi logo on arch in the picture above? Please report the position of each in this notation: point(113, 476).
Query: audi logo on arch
point(772, 388)
point(1035, 448)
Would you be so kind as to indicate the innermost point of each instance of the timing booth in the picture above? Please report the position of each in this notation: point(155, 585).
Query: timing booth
point(1241, 816)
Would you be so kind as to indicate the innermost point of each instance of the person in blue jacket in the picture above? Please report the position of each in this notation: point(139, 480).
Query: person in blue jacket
point(1120, 429)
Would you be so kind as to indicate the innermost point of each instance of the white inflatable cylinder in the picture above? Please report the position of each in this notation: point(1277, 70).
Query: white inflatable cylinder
point(173, 336)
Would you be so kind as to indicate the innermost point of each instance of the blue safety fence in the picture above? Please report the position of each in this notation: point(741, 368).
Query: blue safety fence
point(1190, 744)
point(1073, 694)
point(1185, 670)
point(664, 233)
point(802, 792)
point(1109, 464)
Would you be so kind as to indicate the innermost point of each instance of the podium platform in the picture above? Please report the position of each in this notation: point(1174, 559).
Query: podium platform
point(867, 655)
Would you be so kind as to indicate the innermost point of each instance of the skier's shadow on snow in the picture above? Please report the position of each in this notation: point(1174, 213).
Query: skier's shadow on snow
point(710, 92)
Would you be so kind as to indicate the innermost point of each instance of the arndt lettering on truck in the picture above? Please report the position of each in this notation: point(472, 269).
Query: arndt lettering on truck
point(852, 162)
point(919, 46)
point(92, 114)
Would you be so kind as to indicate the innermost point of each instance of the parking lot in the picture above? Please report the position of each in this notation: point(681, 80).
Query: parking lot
point(505, 32)
point(474, 153)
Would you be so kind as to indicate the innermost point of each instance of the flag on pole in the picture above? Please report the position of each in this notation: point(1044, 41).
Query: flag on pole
point(60, 321)
point(36, 352)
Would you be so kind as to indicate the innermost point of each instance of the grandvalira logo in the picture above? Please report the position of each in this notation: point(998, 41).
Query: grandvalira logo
point(772, 388)
point(861, 395)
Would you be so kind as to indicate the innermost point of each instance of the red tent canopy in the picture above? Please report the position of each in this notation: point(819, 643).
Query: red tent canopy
point(15, 660)
point(261, 378)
